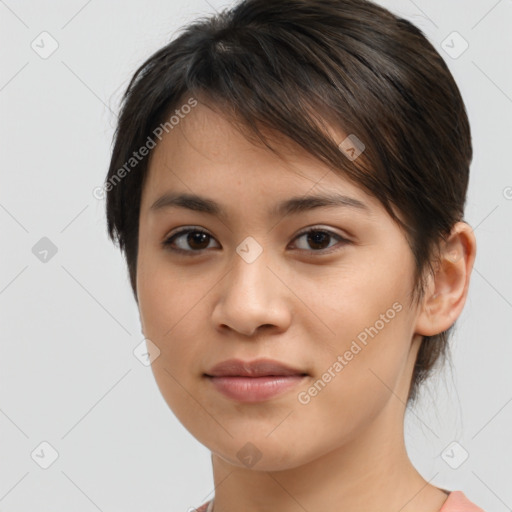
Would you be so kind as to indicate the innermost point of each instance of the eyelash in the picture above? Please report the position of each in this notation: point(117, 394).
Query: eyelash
point(167, 243)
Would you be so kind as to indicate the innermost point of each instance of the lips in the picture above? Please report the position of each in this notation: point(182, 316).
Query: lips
point(254, 381)
point(257, 368)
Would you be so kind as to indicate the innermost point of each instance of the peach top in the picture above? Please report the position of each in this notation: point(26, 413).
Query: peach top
point(457, 502)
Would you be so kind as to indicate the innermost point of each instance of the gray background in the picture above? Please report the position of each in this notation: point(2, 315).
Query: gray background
point(69, 325)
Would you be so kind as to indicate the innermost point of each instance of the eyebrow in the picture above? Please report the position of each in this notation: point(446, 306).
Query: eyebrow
point(294, 205)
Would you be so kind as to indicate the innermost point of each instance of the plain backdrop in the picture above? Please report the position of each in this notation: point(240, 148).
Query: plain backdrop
point(73, 395)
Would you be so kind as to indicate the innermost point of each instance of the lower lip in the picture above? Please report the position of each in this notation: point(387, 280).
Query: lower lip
point(255, 389)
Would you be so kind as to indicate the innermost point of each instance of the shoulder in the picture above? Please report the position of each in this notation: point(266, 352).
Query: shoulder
point(457, 502)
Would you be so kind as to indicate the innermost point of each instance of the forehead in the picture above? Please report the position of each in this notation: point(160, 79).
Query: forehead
point(206, 154)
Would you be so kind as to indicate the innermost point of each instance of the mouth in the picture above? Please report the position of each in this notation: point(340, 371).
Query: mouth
point(254, 381)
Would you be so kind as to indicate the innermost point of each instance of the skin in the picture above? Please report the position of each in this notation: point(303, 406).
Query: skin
point(344, 450)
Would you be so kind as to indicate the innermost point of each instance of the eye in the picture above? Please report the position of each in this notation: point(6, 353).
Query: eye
point(319, 239)
point(197, 239)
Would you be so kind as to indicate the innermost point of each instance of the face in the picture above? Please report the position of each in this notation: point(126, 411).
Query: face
point(323, 290)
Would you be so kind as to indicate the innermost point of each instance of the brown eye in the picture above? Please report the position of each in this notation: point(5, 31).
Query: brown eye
point(195, 240)
point(319, 239)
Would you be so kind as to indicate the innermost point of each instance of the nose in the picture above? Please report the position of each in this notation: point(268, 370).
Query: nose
point(252, 297)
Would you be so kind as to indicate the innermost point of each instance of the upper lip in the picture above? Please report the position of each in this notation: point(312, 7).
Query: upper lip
point(257, 368)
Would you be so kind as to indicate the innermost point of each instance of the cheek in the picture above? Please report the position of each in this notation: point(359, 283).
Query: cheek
point(172, 319)
point(169, 310)
point(356, 303)
point(163, 294)
point(345, 396)
point(368, 346)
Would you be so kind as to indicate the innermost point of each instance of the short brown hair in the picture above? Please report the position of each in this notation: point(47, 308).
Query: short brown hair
point(289, 66)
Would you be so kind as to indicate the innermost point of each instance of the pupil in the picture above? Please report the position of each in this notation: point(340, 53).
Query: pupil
point(317, 237)
point(196, 237)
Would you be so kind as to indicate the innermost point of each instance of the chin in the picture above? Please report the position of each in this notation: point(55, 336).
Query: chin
point(260, 453)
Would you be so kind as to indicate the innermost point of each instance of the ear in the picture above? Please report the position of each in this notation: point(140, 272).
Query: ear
point(447, 290)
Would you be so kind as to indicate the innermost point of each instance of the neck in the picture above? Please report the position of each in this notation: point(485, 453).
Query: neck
point(371, 472)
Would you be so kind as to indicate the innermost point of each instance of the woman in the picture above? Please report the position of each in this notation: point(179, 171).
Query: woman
point(288, 183)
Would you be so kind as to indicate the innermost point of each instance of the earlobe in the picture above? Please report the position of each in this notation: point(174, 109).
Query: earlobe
point(446, 293)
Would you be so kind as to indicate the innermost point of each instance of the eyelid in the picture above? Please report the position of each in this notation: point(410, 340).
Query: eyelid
point(319, 227)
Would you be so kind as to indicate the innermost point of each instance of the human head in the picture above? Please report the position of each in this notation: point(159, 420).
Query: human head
point(298, 68)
